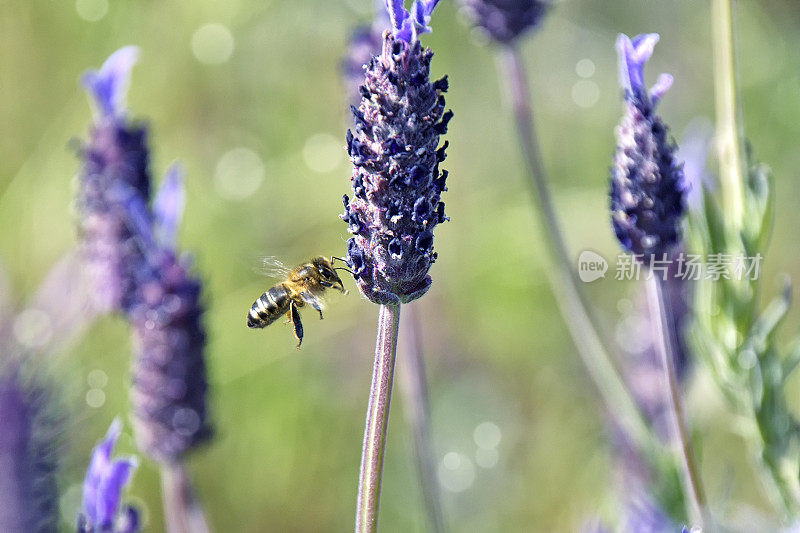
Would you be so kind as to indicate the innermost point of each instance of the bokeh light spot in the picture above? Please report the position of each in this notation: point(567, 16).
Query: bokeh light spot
point(323, 152)
point(487, 435)
point(91, 10)
point(212, 44)
point(97, 379)
point(585, 93)
point(585, 68)
point(32, 328)
point(239, 174)
point(95, 398)
point(456, 472)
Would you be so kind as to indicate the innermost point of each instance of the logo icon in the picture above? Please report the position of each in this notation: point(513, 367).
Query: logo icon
point(591, 266)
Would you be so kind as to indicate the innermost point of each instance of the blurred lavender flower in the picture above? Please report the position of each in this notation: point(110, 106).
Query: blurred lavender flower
point(115, 165)
point(505, 20)
point(647, 184)
point(396, 179)
point(642, 516)
point(28, 460)
point(169, 372)
point(102, 489)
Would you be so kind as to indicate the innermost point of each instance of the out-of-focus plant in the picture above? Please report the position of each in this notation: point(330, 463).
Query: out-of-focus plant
point(735, 337)
point(505, 22)
point(102, 511)
point(130, 247)
point(396, 204)
point(647, 206)
point(29, 441)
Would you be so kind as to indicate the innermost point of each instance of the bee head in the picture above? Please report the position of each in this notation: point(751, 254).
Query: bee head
point(328, 274)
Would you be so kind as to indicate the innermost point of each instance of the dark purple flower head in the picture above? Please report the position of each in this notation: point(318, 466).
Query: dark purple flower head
point(505, 20)
point(28, 458)
point(102, 489)
point(647, 184)
point(396, 180)
point(169, 372)
point(115, 165)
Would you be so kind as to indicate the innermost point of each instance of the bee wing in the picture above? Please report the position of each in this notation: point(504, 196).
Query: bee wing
point(315, 300)
point(268, 265)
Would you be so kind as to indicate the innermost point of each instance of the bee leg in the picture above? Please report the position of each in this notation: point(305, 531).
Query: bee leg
point(298, 325)
point(318, 308)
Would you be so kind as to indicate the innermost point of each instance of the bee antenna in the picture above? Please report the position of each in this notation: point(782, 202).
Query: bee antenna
point(345, 269)
point(339, 258)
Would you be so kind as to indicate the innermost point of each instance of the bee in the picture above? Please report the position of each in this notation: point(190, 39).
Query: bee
point(302, 285)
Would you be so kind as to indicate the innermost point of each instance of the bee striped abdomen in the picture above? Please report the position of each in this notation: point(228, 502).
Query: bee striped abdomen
point(269, 307)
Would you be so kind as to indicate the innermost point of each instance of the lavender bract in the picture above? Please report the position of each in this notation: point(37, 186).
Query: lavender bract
point(102, 489)
point(647, 183)
point(395, 152)
point(28, 460)
point(169, 372)
point(115, 165)
point(505, 20)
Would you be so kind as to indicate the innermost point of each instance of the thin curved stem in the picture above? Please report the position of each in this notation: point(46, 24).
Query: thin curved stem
point(414, 388)
point(571, 299)
point(369, 483)
point(182, 510)
point(660, 316)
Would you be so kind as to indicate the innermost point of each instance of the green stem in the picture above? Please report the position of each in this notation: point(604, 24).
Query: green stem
point(369, 484)
point(414, 386)
point(660, 316)
point(573, 303)
point(729, 127)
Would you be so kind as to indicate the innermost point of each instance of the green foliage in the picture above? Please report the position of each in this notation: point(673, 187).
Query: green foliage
point(738, 340)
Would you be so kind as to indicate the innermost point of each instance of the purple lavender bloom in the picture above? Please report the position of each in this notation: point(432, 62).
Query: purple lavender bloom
point(505, 20)
point(647, 184)
point(169, 372)
point(102, 489)
point(395, 152)
point(28, 462)
point(115, 165)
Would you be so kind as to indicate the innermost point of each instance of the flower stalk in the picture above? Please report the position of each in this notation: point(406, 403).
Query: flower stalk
point(183, 512)
point(661, 317)
point(571, 299)
point(369, 484)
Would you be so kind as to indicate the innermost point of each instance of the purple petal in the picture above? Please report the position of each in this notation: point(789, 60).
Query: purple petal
point(422, 10)
point(168, 206)
point(397, 15)
point(98, 467)
point(116, 478)
point(104, 481)
point(109, 85)
point(633, 55)
point(662, 86)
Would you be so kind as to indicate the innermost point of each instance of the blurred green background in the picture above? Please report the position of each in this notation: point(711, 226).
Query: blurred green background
point(254, 108)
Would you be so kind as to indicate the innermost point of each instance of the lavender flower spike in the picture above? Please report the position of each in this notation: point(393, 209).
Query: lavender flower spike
point(169, 373)
point(647, 184)
point(396, 180)
point(29, 432)
point(503, 21)
point(115, 165)
point(102, 489)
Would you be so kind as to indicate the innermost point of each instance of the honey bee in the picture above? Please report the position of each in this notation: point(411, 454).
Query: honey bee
point(302, 285)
